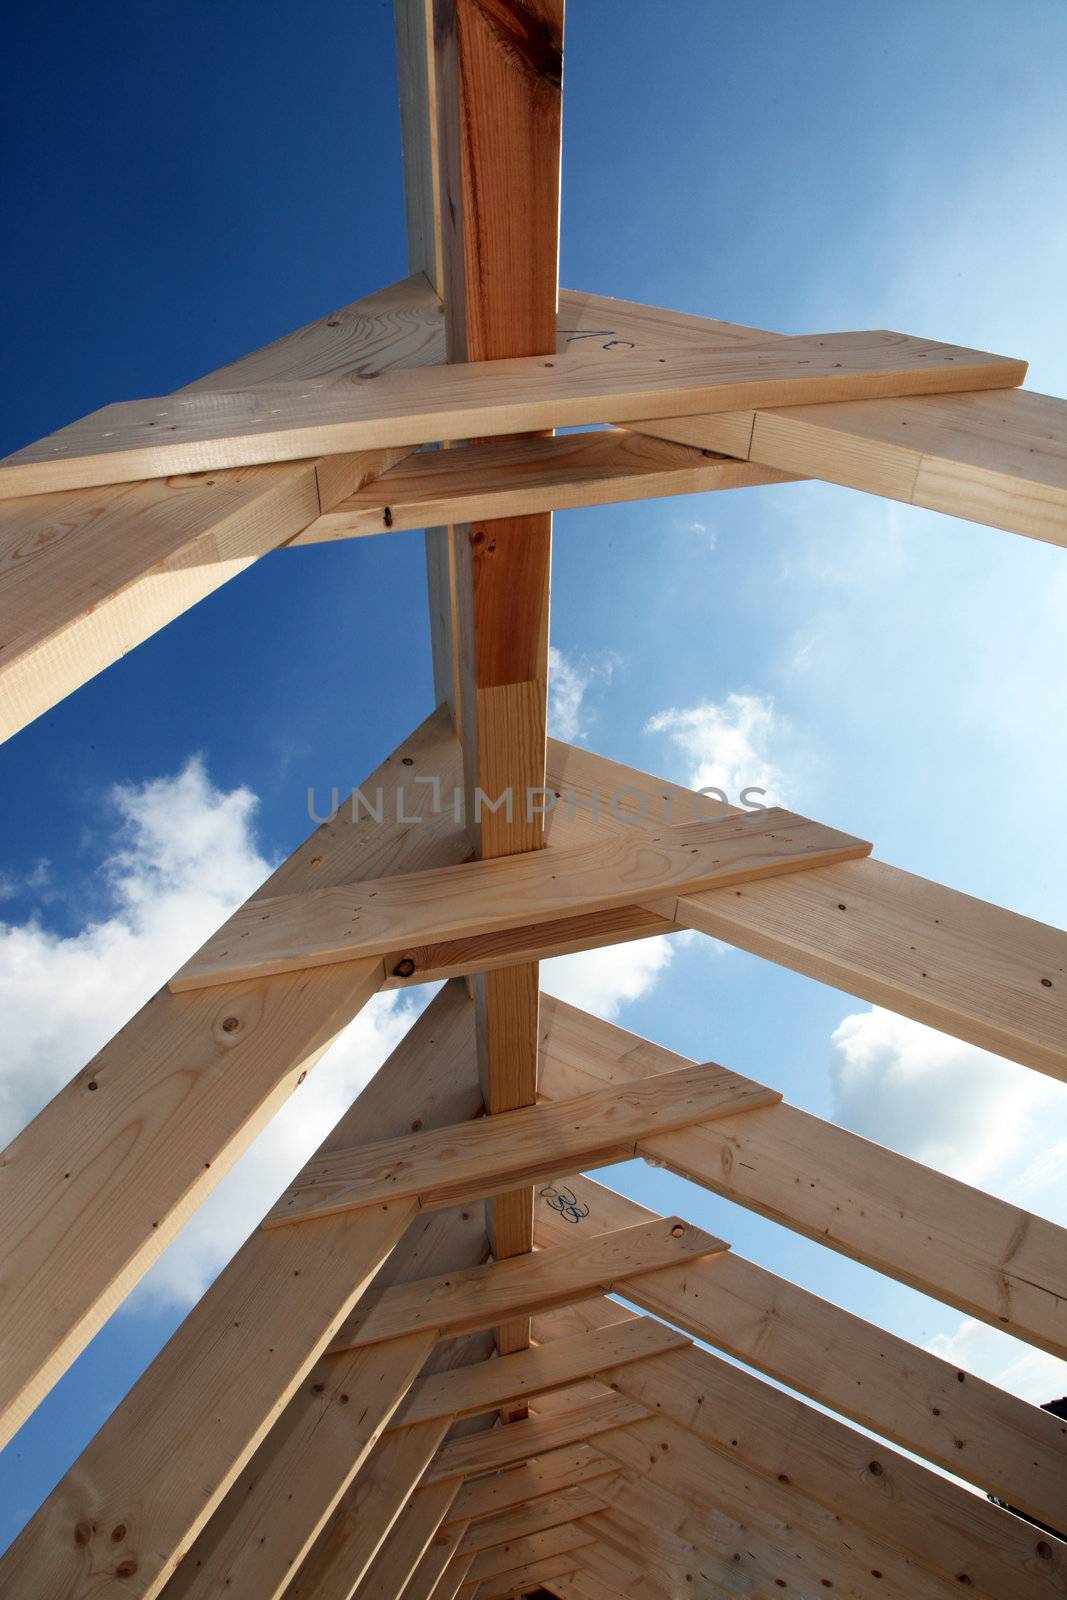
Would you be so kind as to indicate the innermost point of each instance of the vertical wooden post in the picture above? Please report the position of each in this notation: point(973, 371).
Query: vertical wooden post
point(495, 79)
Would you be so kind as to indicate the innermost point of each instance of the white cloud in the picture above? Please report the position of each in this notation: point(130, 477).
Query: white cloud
point(569, 682)
point(709, 536)
point(603, 981)
point(184, 855)
point(1031, 1374)
point(947, 1103)
point(727, 744)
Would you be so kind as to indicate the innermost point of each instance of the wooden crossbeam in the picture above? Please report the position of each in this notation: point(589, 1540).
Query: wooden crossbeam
point(318, 927)
point(548, 1511)
point(468, 1390)
point(450, 1166)
point(478, 1297)
point(996, 459)
point(579, 1422)
point(517, 477)
point(527, 1551)
point(522, 1580)
point(87, 574)
point(197, 432)
point(981, 1254)
point(564, 1467)
point(958, 1535)
point(974, 970)
point(453, 1577)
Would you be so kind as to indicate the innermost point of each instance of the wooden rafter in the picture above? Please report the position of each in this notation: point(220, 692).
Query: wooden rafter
point(322, 1424)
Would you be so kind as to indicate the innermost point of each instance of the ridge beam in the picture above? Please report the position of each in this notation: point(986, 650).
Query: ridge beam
point(318, 927)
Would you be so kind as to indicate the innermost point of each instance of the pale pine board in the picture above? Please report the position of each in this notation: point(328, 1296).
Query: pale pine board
point(203, 431)
point(321, 927)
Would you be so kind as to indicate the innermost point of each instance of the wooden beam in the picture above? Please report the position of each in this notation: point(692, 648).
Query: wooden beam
point(192, 1422)
point(548, 1511)
point(968, 1249)
point(436, 1558)
point(466, 1391)
point(522, 1580)
point(517, 477)
point(478, 1297)
point(453, 1578)
point(906, 1394)
point(958, 1535)
point(276, 1510)
point(86, 575)
point(402, 1551)
point(527, 1551)
point(720, 1502)
point(449, 1166)
point(207, 431)
point(278, 1506)
point(93, 1189)
point(976, 971)
point(317, 927)
point(367, 1513)
point(533, 1436)
point(566, 1467)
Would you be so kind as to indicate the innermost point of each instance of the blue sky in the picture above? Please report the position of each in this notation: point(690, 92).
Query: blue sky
point(189, 182)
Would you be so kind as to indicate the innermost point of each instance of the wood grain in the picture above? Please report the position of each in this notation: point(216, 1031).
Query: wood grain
point(319, 927)
point(206, 431)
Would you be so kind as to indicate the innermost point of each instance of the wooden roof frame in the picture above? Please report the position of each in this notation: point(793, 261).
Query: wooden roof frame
point(393, 1389)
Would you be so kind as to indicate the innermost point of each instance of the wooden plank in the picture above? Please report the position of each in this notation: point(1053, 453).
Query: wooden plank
point(983, 974)
point(522, 1580)
point(269, 1522)
point(516, 477)
point(168, 1454)
point(436, 1558)
point(957, 1534)
point(567, 1467)
point(477, 1297)
point(999, 459)
point(93, 1189)
point(653, 1545)
point(527, 1551)
point(278, 1506)
point(968, 1249)
point(533, 1436)
point(452, 1578)
point(86, 575)
point(118, 1522)
point(720, 1501)
point(418, 128)
point(904, 1393)
point(208, 430)
point(402, 1551)
point(549, 1511)
point(320, 926)
point(367, 1514)
point(465, 1391)
point(448, 1166)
